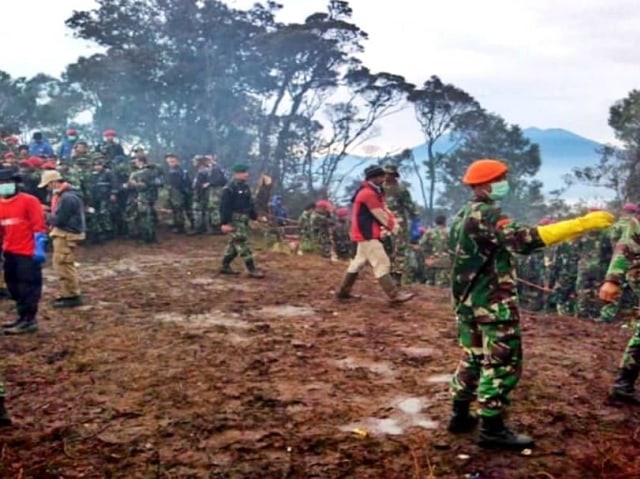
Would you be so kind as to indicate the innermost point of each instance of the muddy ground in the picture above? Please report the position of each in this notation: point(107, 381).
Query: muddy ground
point(171, 371)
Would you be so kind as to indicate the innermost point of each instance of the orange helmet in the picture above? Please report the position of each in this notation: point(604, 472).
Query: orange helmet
point(484, 171)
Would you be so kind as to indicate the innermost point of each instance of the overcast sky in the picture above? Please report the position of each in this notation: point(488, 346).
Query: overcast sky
point(543, 63)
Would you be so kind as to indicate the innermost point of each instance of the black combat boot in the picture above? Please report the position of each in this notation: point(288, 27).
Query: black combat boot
point(462, 420)
point(226, 265)
point(253, 271)
point(494, 434)
point(344, 291)
point(624, 388)
point(5, 420)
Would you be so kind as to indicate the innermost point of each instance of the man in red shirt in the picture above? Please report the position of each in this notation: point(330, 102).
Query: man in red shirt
point(369, 216)
point(23, 242)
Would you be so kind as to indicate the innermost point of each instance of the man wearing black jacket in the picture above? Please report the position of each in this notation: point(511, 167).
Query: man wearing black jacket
point(68, 228)
point(236, 210)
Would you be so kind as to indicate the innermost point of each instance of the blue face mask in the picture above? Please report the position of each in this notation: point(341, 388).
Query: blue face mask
point(499, 190)
point(7, 189)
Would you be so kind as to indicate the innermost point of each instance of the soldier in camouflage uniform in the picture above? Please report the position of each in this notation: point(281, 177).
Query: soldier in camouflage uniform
point(217, 180)
point(594, 251)
point(103, 194)
point(121, 168)
point(434, 244)
point(237, 208)
point(143, 185)
point(322, 224)
point(343, 246)
point(625, 266)
point(201, 195)
point(609, 311)
point(403, 208)
point(305, 230)
point(485, 300)
point(179, 186)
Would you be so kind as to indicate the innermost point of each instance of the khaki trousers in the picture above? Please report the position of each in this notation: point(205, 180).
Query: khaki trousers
point(373, 253)
point(64, 257)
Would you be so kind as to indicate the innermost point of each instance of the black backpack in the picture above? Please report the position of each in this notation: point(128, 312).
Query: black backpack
point(218, 177)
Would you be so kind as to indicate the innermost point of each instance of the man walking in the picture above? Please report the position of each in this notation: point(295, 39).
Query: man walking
point(369, 216)
point(68, 228)
point(236, 210)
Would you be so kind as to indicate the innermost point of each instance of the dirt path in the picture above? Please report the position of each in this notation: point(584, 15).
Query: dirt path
point(171, 371)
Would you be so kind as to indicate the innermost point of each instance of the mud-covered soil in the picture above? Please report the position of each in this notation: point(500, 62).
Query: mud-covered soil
point(171, 371)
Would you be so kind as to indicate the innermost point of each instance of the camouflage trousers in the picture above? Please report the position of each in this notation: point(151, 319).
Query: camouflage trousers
point(490, 366)
point(142, 220)
point(563, 296)
point(239, 242)
point(323, 244)
point(180, 208)
point(201, 213)
point(398, 253)
point(587, 285)
point(214, 207)
point(438, 277)
point(99, 224)
point(306, 241)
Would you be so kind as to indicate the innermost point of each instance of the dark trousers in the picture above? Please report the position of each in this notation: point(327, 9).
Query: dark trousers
point(24, 282)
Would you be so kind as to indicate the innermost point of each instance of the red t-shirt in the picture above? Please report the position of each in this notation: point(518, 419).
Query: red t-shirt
point(365, 226)
point(21, 216)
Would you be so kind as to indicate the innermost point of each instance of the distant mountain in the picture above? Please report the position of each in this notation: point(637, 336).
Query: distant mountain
point(561, 151)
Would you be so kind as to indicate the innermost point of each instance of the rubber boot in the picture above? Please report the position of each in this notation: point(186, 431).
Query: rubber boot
point(624, 388)
point(344, 291)
point(494, 434)
point(5, 420)
point(393, 292)
point(253, 271)
point(462, 420)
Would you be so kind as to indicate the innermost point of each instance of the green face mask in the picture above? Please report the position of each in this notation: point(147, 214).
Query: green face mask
point(7, 189)
point(499, 190)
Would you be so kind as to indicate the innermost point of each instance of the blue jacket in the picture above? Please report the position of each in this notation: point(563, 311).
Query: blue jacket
point(40, 149)
point(66, 148)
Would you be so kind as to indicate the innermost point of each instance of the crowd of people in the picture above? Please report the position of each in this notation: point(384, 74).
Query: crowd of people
point(77, 195)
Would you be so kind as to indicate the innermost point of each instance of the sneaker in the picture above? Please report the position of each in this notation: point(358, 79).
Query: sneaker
point(23, 327)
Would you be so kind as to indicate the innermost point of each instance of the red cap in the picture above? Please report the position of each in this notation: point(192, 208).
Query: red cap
point(24, 164)
point(342, 212)
point(9, 155)
point(12, 139)
point(324, 205)
point(109, 133)
point(71, 131)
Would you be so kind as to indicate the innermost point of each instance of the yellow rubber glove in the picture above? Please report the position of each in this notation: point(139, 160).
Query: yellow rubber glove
point(570, 229)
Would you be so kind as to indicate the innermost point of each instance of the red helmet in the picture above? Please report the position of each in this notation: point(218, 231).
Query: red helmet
point(72, 132)
point(109, 133)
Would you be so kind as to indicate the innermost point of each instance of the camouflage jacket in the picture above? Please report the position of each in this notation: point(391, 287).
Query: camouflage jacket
point(148, 181)
point(321, 224)
point(615, 232)
point(481, 243)
point(594, 249)
point(435, 242)
point(625, 263)
point(399, 202)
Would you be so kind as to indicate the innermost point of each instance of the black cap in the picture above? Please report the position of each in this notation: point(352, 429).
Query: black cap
point(373, 171)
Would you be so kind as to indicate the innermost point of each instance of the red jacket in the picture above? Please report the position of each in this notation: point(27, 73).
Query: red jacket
point(21, 216)
point(364, 225)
